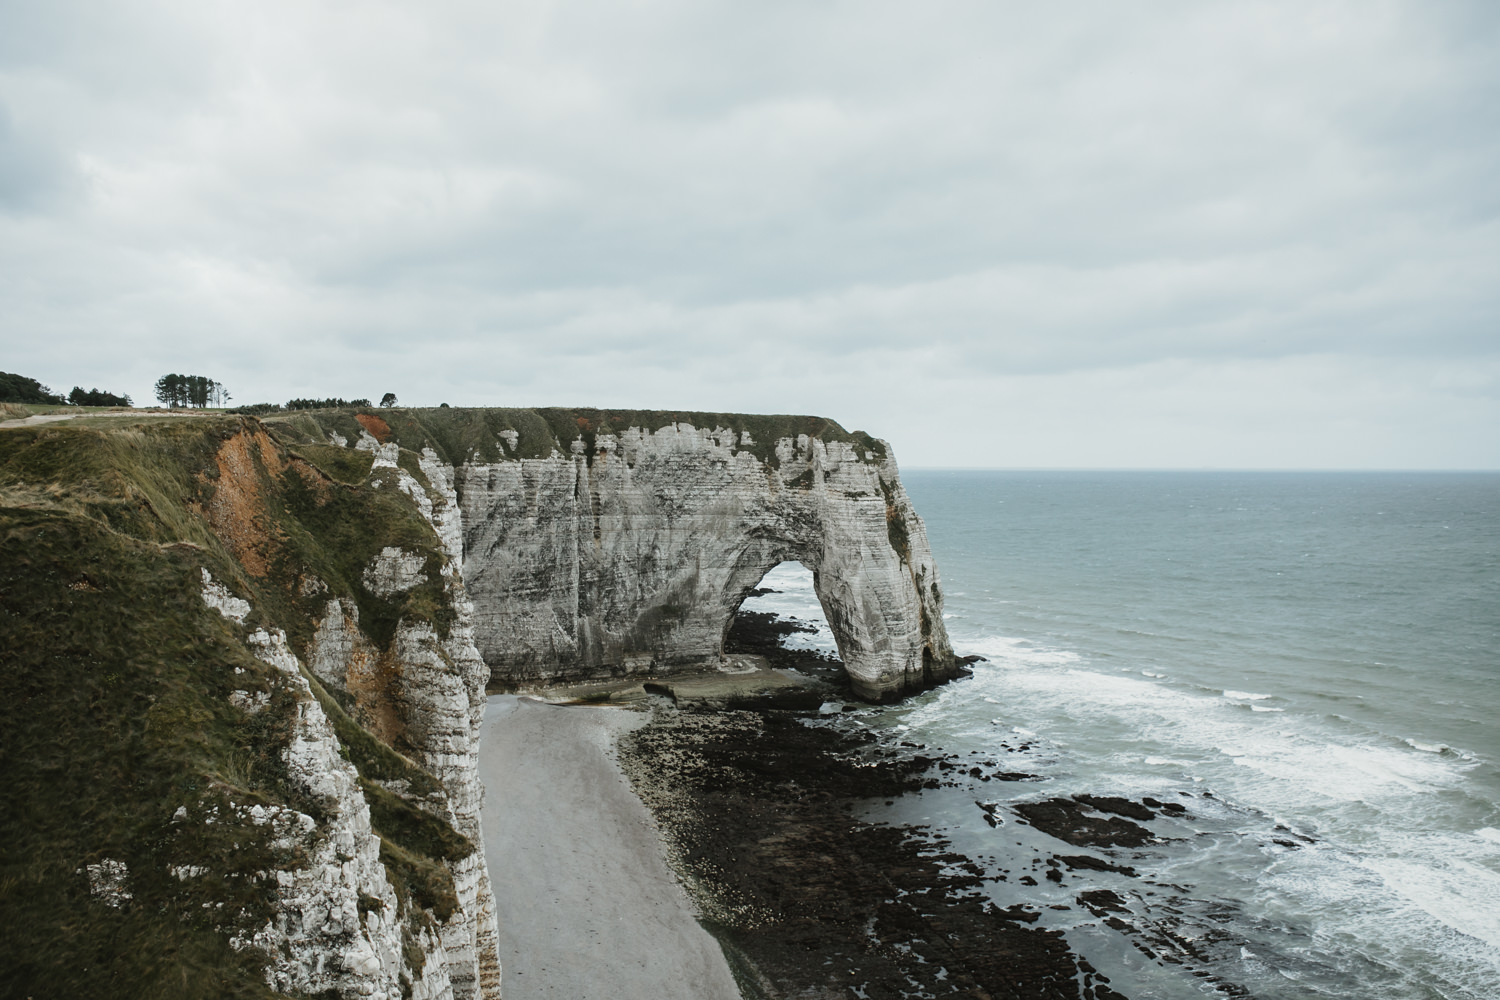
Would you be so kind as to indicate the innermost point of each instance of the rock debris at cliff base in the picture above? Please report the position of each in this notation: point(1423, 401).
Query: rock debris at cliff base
point(809, 901)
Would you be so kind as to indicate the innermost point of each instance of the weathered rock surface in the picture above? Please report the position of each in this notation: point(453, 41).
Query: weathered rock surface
point(632, 554)
point(337, 925)
point(426, 691)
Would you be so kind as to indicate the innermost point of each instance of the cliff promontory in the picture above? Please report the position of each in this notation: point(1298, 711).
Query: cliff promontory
point(244, 663)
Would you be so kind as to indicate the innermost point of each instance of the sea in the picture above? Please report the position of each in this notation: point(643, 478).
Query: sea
point(1308, 662)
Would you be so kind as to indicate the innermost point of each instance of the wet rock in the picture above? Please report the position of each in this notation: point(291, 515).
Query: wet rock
point(1100, 902)
point(1117, 805)
point(1073, 821)
point(1083, 862)
point(756, 808)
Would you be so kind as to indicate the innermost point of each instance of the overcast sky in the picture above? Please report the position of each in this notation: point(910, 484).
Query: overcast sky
point(997, 234)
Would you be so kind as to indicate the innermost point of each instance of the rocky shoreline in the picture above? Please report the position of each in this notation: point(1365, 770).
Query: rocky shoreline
point(794, 818)
point(764, 804)
point(810, 901)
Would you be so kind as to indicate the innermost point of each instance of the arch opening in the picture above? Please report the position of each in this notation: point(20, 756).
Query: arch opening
point(783, 619)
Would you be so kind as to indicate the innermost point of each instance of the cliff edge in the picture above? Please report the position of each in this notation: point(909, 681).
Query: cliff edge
point(243, 663)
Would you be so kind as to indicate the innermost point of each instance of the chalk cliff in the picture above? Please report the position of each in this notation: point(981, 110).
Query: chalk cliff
point(630, 553)
point(239, 712)
point(277, 635)
point(622, 542)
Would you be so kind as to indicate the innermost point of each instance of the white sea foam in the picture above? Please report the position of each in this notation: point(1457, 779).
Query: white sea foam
point(1413, 901)
point(1314, 769)
point(1398, 823)
point(1286, 769)
point(1011, 652)
point(1456, 892)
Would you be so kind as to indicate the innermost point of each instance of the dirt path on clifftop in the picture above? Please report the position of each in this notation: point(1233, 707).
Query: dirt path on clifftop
point(587, 906)
point(52, 418)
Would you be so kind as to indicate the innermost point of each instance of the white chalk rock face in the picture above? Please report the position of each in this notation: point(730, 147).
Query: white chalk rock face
point(394, 571)
point(218, 597)
point(435, 685)
point(321, 937)
point(386, 454)
point(636, 556)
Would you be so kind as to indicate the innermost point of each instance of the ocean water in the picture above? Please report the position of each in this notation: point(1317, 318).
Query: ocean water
point(1308, 662)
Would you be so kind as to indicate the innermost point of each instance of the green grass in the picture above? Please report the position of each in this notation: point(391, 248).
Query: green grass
point(346, 465)
point(418, 880)
point(895, 524)
point(333, 531)
point(114, 684)
point(462, 434)
point(114, 699)
point(419, 833)
point(134, 475)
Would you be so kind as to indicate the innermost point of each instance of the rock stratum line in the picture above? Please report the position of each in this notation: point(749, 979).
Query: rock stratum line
point(244, 662)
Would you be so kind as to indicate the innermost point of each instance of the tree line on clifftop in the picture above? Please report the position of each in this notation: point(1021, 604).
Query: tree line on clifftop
point(330, 403)
point(190, 390)
point(175, 391)
point(20, 389)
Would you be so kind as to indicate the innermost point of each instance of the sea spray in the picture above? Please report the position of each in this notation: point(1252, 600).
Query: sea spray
point(1268, 650)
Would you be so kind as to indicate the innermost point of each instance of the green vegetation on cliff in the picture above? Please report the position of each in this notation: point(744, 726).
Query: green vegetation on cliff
point(114, 710)
point(461, 434)
point(115, 685)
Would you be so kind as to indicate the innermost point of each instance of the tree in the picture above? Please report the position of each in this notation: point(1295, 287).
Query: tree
point(190, 390)
point(331, 403)
point(20, 389)
point(389, 399)
point(96, 397)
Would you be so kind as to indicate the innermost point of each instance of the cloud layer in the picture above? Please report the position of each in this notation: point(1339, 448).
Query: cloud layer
point(1174, 234)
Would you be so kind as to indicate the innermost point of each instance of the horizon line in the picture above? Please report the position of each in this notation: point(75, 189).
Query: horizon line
point(1168, 468)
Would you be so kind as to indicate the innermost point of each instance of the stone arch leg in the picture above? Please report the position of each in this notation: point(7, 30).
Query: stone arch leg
point(871, 601)
point(877, 620)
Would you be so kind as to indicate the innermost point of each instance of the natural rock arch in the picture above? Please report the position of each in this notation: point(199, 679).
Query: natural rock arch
point(631, 554)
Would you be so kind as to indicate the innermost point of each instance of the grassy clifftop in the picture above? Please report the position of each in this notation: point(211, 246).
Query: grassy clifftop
point(485, 434)
point(115, 685)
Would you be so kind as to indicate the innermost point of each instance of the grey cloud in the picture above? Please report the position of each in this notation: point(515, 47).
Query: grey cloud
point(32, 175)
point(753, 192)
